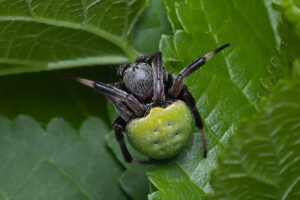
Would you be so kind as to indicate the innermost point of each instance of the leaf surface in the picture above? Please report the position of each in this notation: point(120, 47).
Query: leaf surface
point(289, 30)
point(226, 90)
point(46, 95)
point(45, 35)
point(133, 180)
point(56, 163)
point(149, 28)
point(263, 160)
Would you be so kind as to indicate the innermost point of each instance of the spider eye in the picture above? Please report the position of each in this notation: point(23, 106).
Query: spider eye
point(144, 59)
point(122, 69)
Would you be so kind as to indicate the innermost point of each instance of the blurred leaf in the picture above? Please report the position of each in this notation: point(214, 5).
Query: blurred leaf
point(56, 163)
point(263, 160)
point(289, 31)
point(46, 95)
point(290, 10)
point(133, 180)
point(226, 90)
point(55, 34)
point(149, 28)
point(172, 15)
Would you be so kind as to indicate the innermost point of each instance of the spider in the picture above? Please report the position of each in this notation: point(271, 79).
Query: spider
point(156, 109)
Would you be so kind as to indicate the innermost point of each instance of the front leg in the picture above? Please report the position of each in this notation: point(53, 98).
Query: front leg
point(119, 126)
point(187, 97)
point(112, 92)
point(178, 82)
point(158, 79)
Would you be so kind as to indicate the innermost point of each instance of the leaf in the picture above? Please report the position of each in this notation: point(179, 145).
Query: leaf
point(289, 30)
point(290, 10)
point(149, 28)
point(263, 160)
point(133, 180)
point(56, 163)
point(46, 95)
point(55, 34)
point(226, 90)
point(179, 188)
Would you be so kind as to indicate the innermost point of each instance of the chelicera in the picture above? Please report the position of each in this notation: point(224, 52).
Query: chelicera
point(156, 109)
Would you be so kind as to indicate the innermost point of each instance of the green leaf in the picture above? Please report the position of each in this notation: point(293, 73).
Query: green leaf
point(289, 30)
point(290, 10)
point(133, 180)
point(263, 160)
point(56, 163)
point(46, 95)
point(226, 90)
point(151, 25)
point(55, 34)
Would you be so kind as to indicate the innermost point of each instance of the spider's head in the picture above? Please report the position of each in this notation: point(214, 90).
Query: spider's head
point(138, 78)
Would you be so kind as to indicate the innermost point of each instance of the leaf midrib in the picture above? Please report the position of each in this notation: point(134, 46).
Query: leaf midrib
point(33, 66)
point(123, 45)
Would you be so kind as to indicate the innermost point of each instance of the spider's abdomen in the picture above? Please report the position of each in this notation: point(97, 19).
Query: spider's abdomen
point(164, 132)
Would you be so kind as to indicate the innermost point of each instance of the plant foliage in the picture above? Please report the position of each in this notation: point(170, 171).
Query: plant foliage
point(56, 163)
point(59, 162)
point(263, 160)
point(226, 89)
point(55, 34)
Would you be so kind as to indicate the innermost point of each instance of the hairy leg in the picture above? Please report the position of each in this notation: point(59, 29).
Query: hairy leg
point(119, 126)
point(158, 79)
point(187, 97)
point(113, 92)
point(178, 82)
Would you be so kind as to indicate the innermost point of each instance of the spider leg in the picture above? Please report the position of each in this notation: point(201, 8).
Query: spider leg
point(112, 92)
point(121, 109)
point(119, 106)
point(119, 126)
point(178, 82)
point(158, 79)
point(187, 97)
point(138, 108)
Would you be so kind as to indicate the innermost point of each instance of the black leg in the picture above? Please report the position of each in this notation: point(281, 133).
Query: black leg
point(121, 109)
point(158, 79)
point(187, 97)
point(122, 69)
point(111, 91)
point(178, 82)
point(119, 106)
point(119, 126)
point(123, 96)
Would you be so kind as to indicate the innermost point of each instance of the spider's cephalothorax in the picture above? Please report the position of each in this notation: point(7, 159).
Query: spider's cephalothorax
point(156, 109)
point(138, 80)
